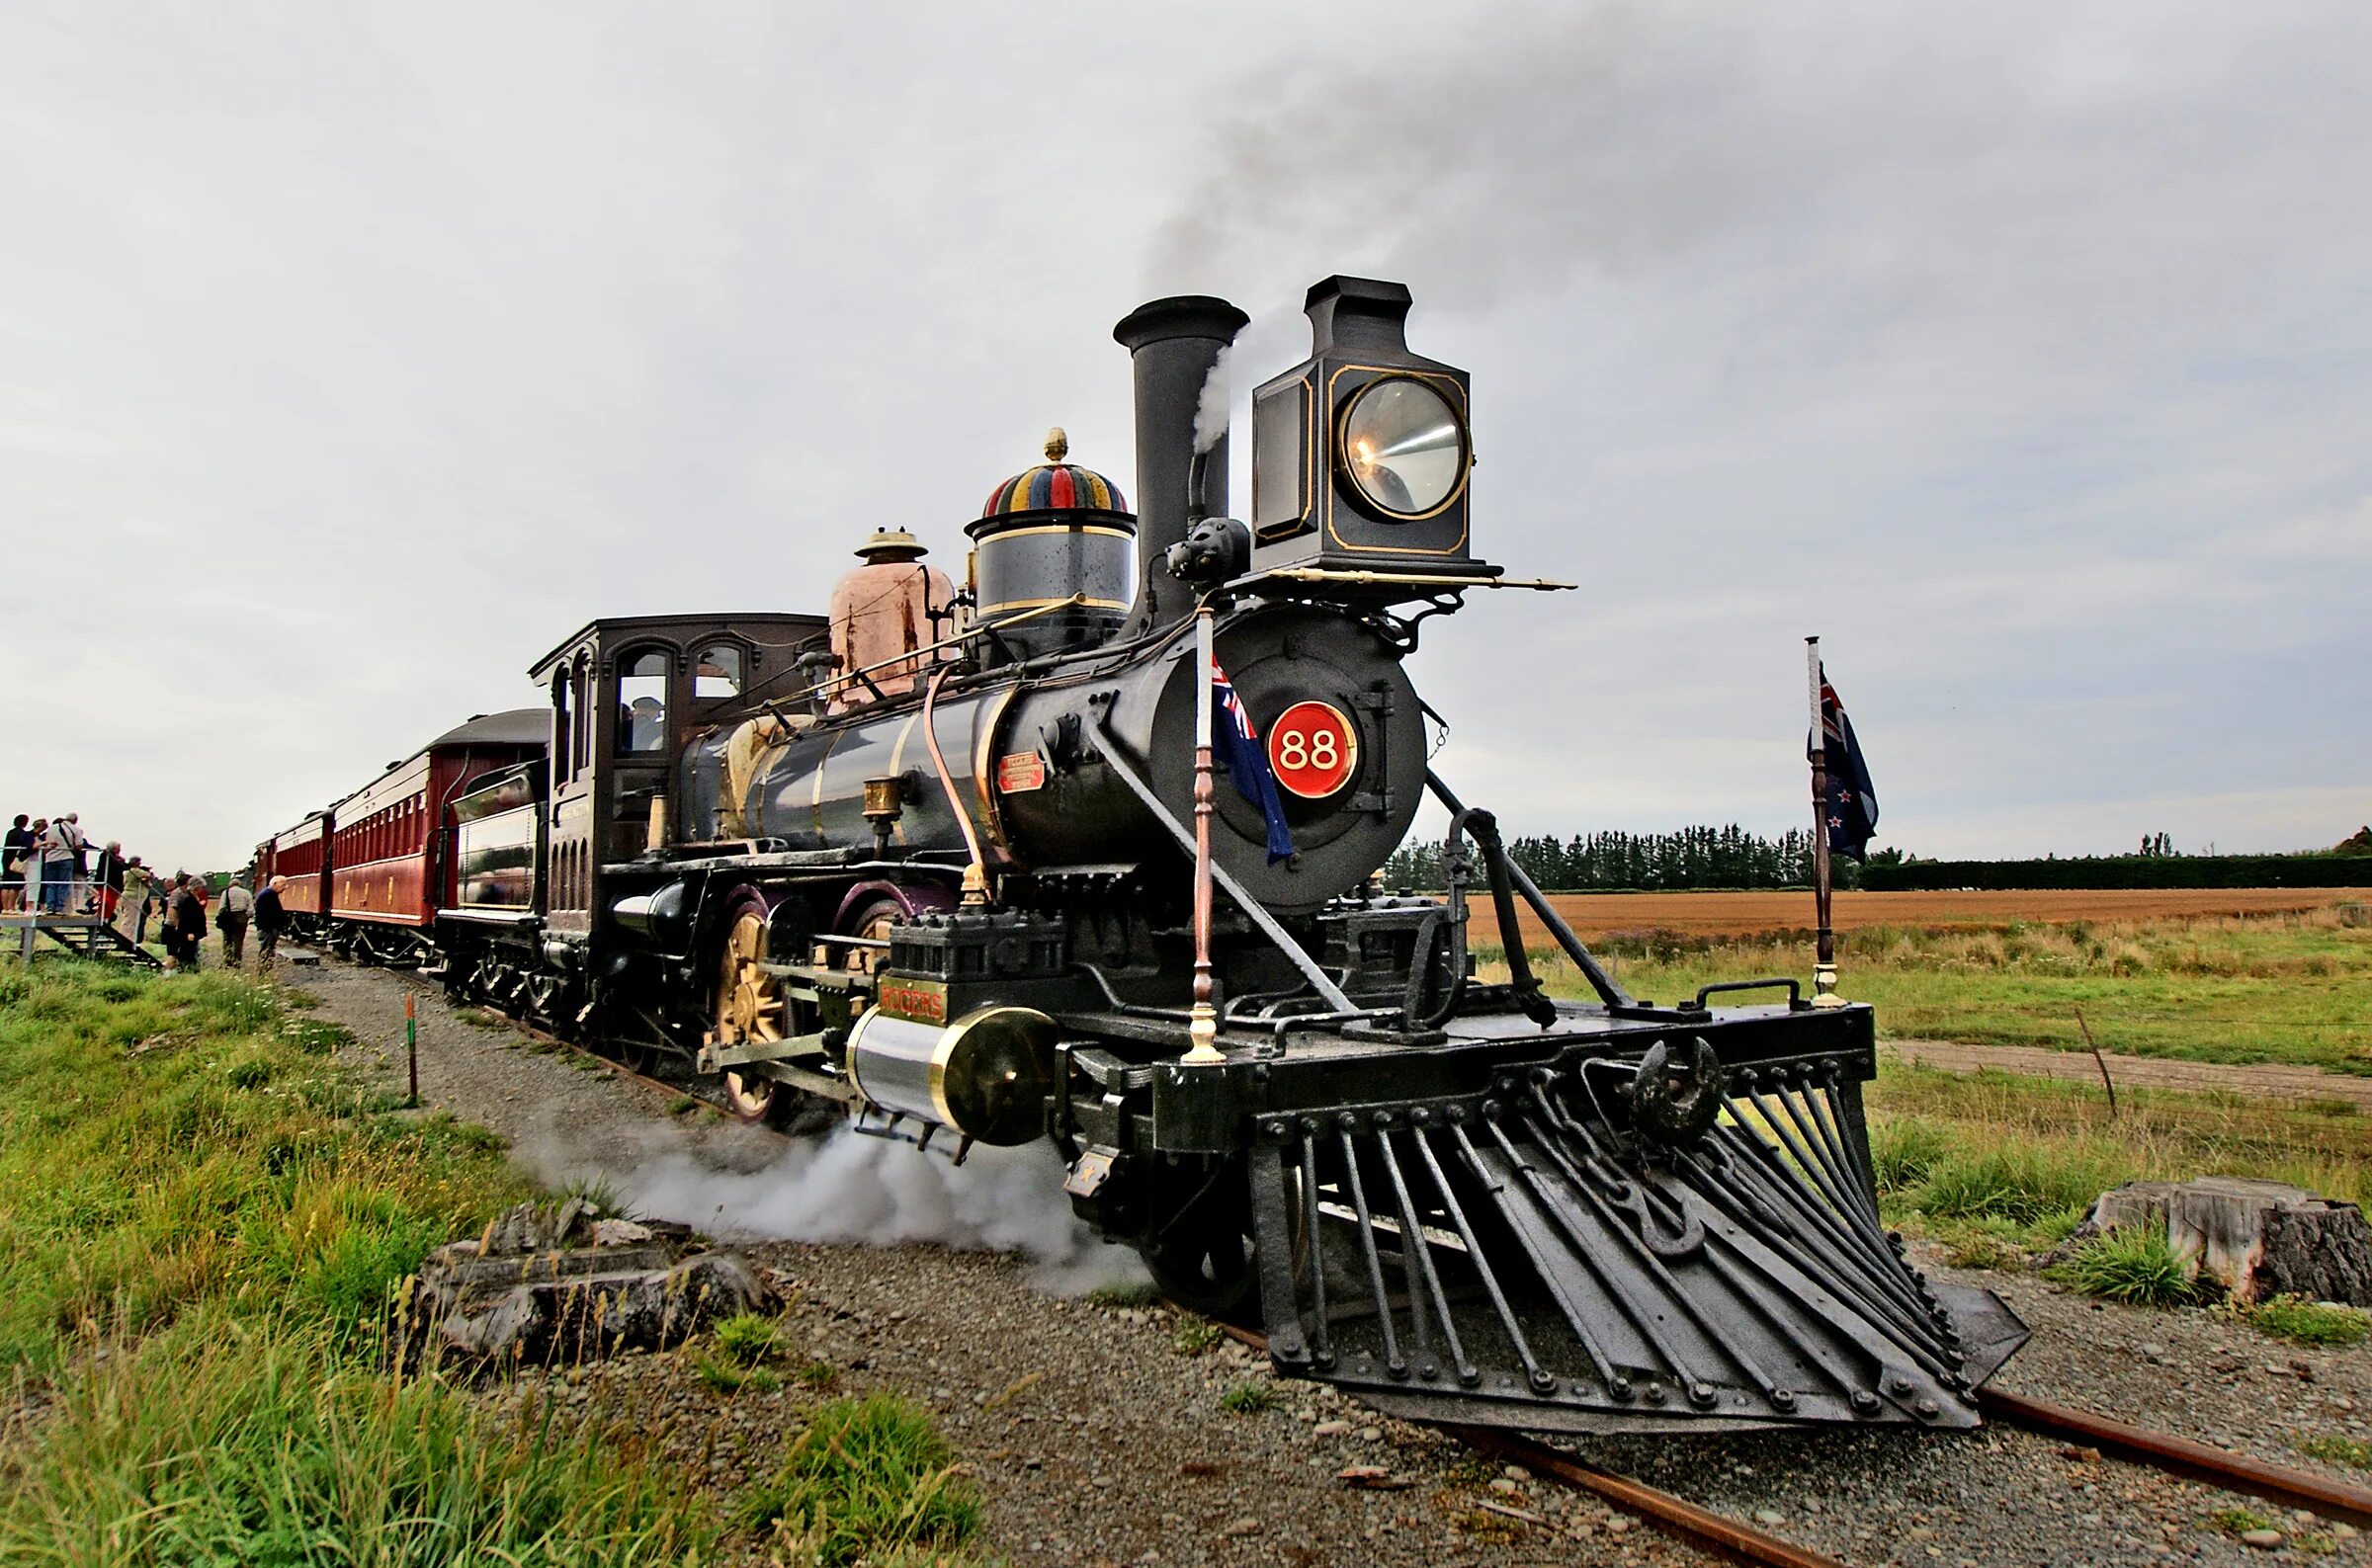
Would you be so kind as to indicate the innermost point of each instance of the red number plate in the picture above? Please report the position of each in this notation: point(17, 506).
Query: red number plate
point(1312, 748)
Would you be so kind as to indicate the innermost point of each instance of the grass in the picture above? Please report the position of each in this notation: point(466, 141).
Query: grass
point(198, 1245)
point(2240, 1520)
point(868, 1480)
point(2293, 987)
point(1248, 1398)
point(2304, 1322)
point(2354, 1453)
point(748, 1337)
point(223, 1441)
point(1134, 1294)
point(1195, 1335)
point(1993, 1166)
point(235, 1168)
point(2134, 1266)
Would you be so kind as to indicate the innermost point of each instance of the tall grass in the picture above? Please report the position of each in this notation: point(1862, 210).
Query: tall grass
point(1993, 1163)
point(171, 1140)
point(870, 1479)
point(201, 1223)
point(228, 1442)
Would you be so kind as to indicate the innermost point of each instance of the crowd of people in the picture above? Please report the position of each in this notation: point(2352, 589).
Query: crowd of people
point(49, 868)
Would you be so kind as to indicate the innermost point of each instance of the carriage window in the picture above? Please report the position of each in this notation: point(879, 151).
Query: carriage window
point(717, 672)
point(560, 737)
point(643, 703)
point(584, 719)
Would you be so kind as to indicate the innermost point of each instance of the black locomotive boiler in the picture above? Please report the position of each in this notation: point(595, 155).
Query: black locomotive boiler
point(927, 862)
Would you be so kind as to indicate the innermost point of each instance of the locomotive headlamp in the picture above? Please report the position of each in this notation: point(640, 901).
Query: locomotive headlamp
point(1360, 455)
point(1403, 445)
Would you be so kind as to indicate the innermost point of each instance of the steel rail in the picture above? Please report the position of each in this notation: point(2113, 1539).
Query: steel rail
point(1675, 1516)
point(2195, 1461)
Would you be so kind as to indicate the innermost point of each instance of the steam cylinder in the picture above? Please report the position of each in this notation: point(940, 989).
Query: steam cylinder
point(986, 1075)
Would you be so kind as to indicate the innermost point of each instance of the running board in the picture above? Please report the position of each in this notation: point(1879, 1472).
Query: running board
point(1572, 1273)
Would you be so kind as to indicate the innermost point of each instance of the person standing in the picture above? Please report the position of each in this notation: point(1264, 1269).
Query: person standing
point(133, 901)
point(185, 923)
point(15, 851)
point(108, 885)
point(57, 867)
point(78, 850)
point(269, 921)
point(230, 918)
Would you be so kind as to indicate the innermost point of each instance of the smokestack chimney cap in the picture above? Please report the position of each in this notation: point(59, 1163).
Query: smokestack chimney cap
point(1179, 316)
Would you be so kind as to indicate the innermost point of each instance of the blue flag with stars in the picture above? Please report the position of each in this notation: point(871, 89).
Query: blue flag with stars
point(1235, 745)
point(1851, 809)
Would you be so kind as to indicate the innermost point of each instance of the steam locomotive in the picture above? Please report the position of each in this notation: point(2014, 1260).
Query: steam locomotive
point(961, 865)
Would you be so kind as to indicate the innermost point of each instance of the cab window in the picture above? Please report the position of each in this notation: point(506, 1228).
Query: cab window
point(643, 703)
point(717, 672)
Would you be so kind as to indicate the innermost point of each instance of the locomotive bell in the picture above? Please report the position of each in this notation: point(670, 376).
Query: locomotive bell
point(1361, 453)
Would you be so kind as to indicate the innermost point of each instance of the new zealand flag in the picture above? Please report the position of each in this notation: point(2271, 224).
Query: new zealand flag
point(1235, 744)
point(1852, 803)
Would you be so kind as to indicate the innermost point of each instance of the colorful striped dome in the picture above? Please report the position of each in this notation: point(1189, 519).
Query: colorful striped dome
point(1056, 486)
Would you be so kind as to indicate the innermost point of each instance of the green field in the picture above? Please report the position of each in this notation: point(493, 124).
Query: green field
point(201, 1226)
point(2291, 988)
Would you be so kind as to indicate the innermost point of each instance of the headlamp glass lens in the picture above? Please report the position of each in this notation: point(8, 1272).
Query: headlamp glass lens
point(1403, 445)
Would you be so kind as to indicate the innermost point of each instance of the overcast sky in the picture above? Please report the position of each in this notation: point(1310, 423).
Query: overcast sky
point(352, 355)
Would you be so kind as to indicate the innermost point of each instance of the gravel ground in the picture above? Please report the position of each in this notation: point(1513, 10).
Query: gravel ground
point(1095, 1440)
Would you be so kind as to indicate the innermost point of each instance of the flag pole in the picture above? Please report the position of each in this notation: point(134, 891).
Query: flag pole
point(1824, 964)
point(1202, 1028)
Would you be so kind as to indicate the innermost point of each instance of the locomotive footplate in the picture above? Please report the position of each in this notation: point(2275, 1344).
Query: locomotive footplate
point(1617, 1225)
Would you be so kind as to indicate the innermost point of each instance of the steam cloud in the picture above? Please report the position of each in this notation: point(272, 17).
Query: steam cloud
point(880, 1193)
point(1211, 409)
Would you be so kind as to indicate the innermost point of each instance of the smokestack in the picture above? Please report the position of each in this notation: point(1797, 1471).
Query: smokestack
point(1175, 343)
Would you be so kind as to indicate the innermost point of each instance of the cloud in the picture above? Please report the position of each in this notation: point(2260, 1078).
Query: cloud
point(349, 360)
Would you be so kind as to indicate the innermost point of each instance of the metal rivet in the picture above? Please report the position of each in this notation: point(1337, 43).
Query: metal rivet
point(1783, 1398)
point(1928, 1408)
point(1864, 1402)
point(1898, 1383)
point(1654, 1393)
point(1702, 1395)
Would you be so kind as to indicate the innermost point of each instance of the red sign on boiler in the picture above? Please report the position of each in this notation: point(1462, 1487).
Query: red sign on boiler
point(1312, 750)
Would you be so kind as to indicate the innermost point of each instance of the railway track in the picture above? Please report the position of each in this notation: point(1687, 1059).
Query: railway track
point(1742, 1542)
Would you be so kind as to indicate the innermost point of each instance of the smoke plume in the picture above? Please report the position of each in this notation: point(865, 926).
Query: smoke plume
point(880, 1193)
point(1211, 409)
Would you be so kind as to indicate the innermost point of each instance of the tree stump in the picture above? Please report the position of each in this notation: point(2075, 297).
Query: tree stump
point(2256, 1239)
point(544, 1286)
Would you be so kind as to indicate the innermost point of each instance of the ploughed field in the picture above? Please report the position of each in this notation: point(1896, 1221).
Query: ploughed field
point(1738, 914)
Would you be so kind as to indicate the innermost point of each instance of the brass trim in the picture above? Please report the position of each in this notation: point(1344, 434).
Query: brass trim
point(1081, 600)
point(816, 795)
point(987, 717)
point(1338, 414)
point(1306, 435)
point(1055, 528)
point(897, 765)
point(1350, 736)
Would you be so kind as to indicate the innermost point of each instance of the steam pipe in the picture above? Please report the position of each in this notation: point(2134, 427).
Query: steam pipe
point(1174, 342)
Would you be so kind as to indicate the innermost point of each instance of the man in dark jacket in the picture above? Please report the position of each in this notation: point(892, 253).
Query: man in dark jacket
point(16, 850)
point(185, 923)
point(269, 921)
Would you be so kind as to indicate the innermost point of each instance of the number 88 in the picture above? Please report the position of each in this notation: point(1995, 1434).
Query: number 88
point(1320, 749)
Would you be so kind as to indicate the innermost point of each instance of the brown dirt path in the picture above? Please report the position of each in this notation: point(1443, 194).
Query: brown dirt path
point(2262, 1082)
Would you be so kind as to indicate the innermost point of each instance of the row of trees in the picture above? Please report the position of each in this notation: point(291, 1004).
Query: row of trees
point(1699, 856)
